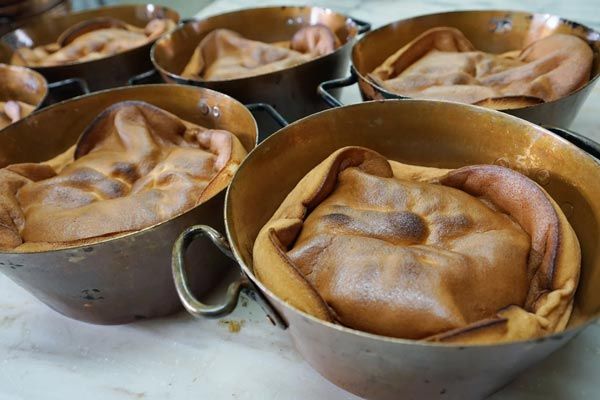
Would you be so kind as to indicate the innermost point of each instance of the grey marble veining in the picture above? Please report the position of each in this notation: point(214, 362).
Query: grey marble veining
point(46, 356)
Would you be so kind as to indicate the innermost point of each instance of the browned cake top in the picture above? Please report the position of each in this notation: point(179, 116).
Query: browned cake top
point(21, 91)
point(225, 54)
point(478, 254)
point(442, 64)
point(135, 166)
point(91, 40)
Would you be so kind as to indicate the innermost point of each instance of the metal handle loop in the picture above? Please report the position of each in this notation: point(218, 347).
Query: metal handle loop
point(196, 307)
point(63, 90)
point(190, 302)
point(269, 109)
point(324, 88)
point(146, 77)
point(81, 84)
point(363, 26)
point(584, 143)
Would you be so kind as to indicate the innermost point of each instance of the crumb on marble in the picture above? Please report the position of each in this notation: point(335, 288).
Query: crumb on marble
point(233, 325)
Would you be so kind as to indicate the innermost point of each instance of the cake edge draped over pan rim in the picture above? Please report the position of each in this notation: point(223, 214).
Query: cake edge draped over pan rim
point(224, 54)
point(552, 285)
point(91, 40)
point(547, 64)
point(114, 121)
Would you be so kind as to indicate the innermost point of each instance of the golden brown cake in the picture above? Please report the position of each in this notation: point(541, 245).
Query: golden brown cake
point(91, 40)
point(135, 166)
point(21, 92)
point(442, 64)
point(13, 110)
point(225, 54)
point(479, 254)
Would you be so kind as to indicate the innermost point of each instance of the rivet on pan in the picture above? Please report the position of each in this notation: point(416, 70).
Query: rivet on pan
point(204, 108)
point(568, 209)
point(216, 112)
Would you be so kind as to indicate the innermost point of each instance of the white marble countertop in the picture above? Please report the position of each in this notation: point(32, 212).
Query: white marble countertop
point(47, 356)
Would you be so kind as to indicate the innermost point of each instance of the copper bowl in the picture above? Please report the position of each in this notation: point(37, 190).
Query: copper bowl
point(22, 84)
point(99, 74)
point(491, 31)
point(125, 278)
point(291, 91)
point(436, 134)
point(14, 13)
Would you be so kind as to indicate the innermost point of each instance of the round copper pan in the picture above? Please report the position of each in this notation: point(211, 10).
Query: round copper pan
point(291, 91)
point(491, 31)
point(125, 278)
point(22, 84)
point(99, 74)
point(425, 133)
point(16, 13)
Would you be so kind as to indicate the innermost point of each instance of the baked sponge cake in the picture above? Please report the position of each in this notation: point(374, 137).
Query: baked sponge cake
point(133, 167)
point(479, 254)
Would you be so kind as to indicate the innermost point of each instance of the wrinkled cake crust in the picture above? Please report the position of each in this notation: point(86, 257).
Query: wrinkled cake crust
point(442, 64)
point(133, 167)
point(225, 54)
point(91, 40)
point(479, 254)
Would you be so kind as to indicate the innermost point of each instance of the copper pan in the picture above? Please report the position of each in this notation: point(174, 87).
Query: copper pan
point(22, 84)
point(436, 134)
point(14, 13)
point(125, 278)
point(291, 91)
point(99, 74)
point(492, 31)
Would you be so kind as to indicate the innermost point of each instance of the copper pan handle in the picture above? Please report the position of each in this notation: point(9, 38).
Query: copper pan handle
point(146, 77)
point(195, 306)
point(270, 110)
point(326, 86)
point(185, 21)
point(584, 143)
point(63, 90)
